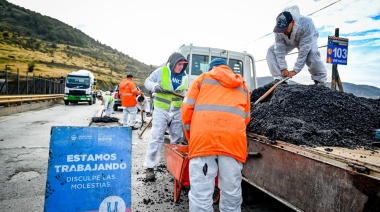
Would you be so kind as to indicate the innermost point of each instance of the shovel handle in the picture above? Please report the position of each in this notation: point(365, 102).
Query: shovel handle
point(140, 135)
point(270, 90)
point(174, 93)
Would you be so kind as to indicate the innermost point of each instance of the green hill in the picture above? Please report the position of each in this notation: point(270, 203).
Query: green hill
point(38, 44)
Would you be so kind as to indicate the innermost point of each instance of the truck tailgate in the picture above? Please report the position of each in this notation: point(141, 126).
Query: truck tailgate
point(315, 179)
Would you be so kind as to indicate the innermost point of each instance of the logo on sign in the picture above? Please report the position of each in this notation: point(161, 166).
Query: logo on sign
point(112, 203)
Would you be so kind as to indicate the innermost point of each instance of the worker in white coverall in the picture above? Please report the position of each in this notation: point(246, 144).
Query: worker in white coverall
point(166, 114)
point(143, 106)
point(108, 103)
point(293, 30)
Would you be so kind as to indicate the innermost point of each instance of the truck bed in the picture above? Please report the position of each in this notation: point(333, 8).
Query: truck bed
point(315, 179)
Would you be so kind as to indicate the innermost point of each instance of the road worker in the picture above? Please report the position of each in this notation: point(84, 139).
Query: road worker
point(128, 92)
point(166, 114)
point(215, 113)
point(107, 102)
point(143, 106)
point(292, 31)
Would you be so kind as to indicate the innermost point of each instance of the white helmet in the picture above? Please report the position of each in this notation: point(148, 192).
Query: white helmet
point(108, 93)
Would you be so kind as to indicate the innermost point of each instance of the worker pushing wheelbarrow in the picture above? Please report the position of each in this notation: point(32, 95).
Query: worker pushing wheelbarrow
point(177, 164)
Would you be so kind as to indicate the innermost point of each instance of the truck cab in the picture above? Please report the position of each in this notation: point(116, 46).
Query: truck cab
point(200, 57)
point(79, 87)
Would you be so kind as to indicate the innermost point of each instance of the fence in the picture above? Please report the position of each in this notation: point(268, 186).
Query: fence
point(17, 84)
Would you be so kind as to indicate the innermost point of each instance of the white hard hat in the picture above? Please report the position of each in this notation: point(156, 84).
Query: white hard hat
point(108, 92)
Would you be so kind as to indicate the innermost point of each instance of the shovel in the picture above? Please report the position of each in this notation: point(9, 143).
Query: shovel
point(174, 93)
point(271, 90)
point(140, 135)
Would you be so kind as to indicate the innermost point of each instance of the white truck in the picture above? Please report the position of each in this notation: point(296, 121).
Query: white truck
point(200, 57)
point(79, 87)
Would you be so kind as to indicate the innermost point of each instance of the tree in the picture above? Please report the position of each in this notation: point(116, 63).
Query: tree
point(31, 66)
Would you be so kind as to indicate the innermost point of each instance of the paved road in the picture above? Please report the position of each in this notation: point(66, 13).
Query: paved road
point(24, 147)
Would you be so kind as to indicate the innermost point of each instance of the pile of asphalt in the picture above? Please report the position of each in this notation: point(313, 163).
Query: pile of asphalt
point(315, 116)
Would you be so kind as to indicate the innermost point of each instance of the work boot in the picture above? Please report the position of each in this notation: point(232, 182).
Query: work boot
point(150, 176)
point(317, 83)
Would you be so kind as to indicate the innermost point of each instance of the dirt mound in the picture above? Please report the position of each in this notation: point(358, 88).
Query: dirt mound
point(315, 116)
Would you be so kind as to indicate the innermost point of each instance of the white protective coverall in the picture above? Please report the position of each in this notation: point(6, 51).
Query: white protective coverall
point(303, 37)
point(108, 103)
point(163, 119)
point(129, 116)
point(143, 106)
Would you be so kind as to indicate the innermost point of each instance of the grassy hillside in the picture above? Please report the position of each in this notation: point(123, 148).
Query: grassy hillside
point(48, 47)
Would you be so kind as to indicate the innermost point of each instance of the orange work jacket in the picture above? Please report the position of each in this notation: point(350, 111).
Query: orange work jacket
point(215, 113)
point(128, 93)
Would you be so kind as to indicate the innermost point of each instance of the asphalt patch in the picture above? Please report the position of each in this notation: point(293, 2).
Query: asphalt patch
point(105, 119)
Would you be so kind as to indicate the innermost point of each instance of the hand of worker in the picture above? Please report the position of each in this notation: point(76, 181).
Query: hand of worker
point(285, 72)
point(158, 89)
point(292, 73)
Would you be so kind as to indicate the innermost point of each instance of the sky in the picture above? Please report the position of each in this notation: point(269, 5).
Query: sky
point(150, 30)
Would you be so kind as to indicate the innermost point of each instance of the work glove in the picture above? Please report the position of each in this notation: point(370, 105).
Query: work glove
point(158, 89)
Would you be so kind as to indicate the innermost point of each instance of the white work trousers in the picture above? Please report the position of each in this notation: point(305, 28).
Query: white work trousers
point(203, 171)
point(129, 116)
point(314, 63)
point(109, 108)
point(144, 106)
point(162, 120)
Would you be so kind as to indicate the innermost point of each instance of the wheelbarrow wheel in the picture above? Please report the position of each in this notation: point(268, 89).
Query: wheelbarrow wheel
point(177, 190)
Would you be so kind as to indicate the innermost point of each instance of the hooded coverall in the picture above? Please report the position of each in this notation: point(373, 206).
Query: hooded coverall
point(128, 92)
point(215, 113)
point(166, 113)
point(304, 37)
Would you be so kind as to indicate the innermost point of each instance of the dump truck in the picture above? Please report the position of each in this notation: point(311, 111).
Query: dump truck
point(79, 87)
point(315, 149)
point(301, 177)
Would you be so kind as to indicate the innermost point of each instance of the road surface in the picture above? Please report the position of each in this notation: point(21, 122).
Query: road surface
point(24, 148)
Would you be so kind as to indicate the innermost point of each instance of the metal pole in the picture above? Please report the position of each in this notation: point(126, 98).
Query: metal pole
point(6, 79)
point(18, 81)
point(27, 83)
point(34, 84)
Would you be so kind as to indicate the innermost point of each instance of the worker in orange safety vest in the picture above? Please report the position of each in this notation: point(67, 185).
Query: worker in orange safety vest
point(128, 92)
point(215, 113)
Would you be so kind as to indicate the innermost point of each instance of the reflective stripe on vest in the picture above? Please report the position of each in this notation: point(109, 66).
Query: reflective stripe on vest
point(218, 108)
point(164, 100)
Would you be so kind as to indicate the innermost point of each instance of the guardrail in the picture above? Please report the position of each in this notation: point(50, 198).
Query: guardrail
point(7, 101)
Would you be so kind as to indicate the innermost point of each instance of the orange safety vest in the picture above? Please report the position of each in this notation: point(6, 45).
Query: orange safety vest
point(217, 116)
point(128, 93)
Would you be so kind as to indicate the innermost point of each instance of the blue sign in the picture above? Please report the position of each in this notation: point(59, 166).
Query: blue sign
point(89, 169)
point(337, 50)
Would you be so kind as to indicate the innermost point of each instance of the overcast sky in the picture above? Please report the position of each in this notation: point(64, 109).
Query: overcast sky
point(150, 30)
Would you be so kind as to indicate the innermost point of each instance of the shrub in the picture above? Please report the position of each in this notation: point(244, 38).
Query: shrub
point(31, 66)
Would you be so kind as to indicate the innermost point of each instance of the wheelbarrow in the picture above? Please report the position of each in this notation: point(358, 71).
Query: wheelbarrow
point(177, 163)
